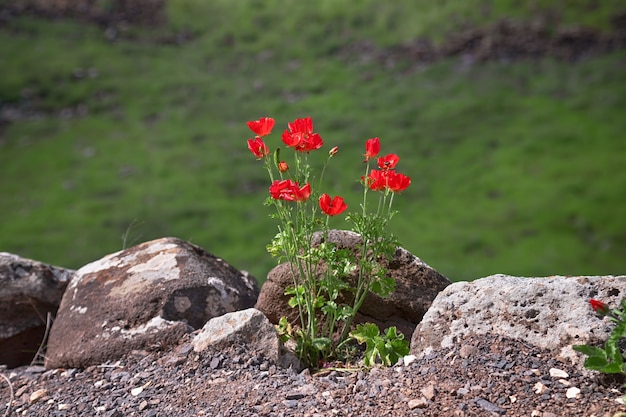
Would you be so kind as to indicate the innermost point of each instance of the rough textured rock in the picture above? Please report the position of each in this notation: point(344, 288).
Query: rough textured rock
point(29, 290)
point(248, 327)
point(143, 297)
point(417, 284)
point(552, 313)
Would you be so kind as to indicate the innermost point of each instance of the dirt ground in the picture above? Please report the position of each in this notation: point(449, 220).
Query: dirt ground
point(481, 376)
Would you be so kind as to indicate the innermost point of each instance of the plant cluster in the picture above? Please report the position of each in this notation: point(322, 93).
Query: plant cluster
point(330, 283)
point(610, 358)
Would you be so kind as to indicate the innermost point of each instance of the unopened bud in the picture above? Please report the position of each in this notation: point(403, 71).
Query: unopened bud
point(333, 151)
point(599, 307)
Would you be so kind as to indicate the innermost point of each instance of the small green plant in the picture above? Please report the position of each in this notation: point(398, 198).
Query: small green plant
point(609, 359)
point(322, 272)
point(386, 348)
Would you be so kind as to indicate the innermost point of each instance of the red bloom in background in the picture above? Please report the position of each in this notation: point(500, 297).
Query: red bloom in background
point(599, 307)
point(261, 127)
point(290, 190)
point(388, 161)
point(398, 182)
point(300, 136)
point(258, 147)
point(372, 147)
point(333, 206)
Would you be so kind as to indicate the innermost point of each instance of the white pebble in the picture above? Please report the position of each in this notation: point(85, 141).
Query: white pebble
point(572, 392)
point(558, 373)
point(409, 359)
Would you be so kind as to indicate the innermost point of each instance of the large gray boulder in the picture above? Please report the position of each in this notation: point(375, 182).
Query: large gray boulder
point(417, 284)
point(29, 292)
point(144, 297)
point(552, 313)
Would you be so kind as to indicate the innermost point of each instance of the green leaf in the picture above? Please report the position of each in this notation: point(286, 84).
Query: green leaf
point(596, 363)
point(590, 350)
point(321, 343)
point(365, 332)
point(392, 333)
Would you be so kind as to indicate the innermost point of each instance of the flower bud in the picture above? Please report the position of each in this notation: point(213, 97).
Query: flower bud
point(599, 307)
point(333, 151)
point(282, 166)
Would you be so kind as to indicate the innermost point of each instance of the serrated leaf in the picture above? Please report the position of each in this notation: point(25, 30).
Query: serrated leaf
point(590, 350)
point(365, 332)
point(293, 301)
point(321, 343)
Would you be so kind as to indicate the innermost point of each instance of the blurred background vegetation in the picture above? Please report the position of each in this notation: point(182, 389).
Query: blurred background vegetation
point(119, 125)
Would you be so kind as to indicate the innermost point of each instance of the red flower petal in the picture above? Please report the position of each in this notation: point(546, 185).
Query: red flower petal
point(599, 307)
point(258, 147)
point(398, 182)
point(261, 127)
point(289, 190)
point(388, 161)
point(372, 147)
point(332, 207)
point(376, 180)
point(300, 136)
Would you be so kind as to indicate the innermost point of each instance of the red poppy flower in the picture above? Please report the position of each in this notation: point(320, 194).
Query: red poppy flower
point(261, 127)
point(383, 180)
point(372, 147)
point(398, 182)
point(258, 147)
point(283, 167)
point(388, 161)
point(333, 206)
point(599, 307)
point(376, 180)
point(290, 190)
point(300, 136)
point(303, 193)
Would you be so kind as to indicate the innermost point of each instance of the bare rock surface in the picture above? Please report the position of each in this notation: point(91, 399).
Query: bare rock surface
point(249, 327)
point(552, 312)
point(487, 375)
point(417, 284)
point(29, 291)
point(143, 297)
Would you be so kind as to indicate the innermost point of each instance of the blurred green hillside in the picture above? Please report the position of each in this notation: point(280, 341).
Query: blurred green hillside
point(114, 134)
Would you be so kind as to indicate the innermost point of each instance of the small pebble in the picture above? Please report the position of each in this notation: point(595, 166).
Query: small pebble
point(37, 395)
point(418, 403)
point(558, 373)
point(409, 359)
point(540, 388)
point(572, 392)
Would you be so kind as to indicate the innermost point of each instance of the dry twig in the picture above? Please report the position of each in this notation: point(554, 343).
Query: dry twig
point(6, 413)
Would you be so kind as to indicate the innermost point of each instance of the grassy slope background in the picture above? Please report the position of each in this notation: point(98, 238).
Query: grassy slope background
point(517, 167)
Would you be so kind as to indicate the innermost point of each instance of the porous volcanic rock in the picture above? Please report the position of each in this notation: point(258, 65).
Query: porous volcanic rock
point(417, 284)
point(143, 297)
point(552, 312)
